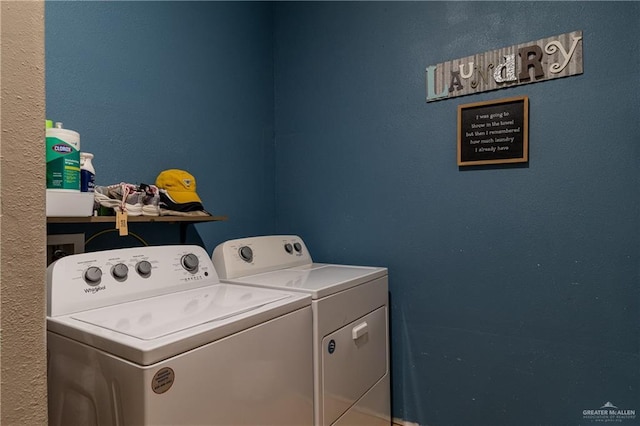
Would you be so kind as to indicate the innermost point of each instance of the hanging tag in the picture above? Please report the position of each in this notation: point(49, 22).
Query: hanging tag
point(118, 214)
point(123, 227)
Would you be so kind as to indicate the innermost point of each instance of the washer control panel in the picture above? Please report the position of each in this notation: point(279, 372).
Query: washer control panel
point(248, 256)
point(91, 280)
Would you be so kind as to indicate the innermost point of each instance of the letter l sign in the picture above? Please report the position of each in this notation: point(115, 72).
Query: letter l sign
point(431, 85)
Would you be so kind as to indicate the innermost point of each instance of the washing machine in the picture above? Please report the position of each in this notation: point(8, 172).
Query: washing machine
point(350, 322)
point(150, 336)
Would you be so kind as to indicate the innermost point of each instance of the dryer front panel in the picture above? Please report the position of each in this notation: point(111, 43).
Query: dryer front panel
point(354, 359)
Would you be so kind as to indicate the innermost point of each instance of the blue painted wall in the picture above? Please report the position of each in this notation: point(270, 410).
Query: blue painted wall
point(157, 85)
point(514, 290)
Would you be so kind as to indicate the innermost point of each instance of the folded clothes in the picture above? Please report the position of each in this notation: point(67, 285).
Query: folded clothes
point(169, 207)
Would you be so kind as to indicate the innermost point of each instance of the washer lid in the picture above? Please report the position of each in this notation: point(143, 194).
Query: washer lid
point(317, 279)
point(161, 316)
point(149, 330)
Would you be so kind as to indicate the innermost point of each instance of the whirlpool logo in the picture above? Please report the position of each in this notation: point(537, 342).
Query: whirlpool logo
point(61, 148)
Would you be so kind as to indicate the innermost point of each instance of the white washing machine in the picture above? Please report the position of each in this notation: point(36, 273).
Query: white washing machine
point(149, 336)
point(350, 322)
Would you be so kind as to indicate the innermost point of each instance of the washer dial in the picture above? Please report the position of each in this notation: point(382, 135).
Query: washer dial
point(190, 262)
point(92, 275)
point(143, 268)
point(119, 271)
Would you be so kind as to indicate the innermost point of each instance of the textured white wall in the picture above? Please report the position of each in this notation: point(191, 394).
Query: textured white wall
point(23, 396)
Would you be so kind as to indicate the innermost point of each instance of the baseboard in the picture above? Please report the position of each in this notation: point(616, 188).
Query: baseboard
point(400, 422)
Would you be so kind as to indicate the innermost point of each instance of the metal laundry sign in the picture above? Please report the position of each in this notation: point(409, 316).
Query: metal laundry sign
point(532, 62)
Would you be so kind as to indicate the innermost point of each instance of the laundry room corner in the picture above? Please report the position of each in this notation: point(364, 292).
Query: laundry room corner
point(153, 86)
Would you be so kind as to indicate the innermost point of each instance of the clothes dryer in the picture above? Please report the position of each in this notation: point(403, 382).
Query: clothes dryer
point(149, 336)
point(350, 322)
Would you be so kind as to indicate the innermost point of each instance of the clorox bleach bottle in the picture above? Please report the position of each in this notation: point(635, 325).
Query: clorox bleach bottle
point(63, 159)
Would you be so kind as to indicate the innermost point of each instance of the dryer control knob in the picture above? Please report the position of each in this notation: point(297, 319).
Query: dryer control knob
point(246, 254)
point(288, 248)
point(92, 275)
point(119, 271)
point(190, 262)
point(143, 268)
point(298, 247)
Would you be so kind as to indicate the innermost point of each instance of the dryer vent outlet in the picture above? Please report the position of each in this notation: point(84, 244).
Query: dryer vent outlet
point(62, 245)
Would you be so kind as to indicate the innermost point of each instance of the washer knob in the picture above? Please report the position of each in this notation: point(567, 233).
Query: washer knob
point(143, 268)
point(288, 248)
point(119, 271)
point(297, 247)
point(92, 275)
point(246, 254)
point(190, 262)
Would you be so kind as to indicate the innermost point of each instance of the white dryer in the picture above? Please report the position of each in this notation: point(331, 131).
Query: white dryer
point(350, 322)
point(149, 336)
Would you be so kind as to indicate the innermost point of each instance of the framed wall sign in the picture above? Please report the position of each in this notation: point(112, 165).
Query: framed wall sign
point(494, 132)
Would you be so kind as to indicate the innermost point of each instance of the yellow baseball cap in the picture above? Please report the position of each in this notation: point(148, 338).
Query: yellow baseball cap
point(180, 185)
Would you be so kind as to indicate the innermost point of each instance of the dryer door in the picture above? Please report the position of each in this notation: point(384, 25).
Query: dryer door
point(354, 358)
